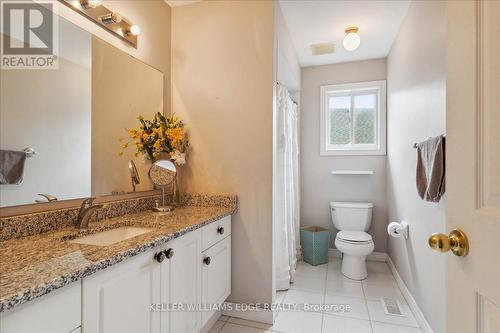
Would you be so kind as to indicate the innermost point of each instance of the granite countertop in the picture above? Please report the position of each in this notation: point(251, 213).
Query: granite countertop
point(35, 265)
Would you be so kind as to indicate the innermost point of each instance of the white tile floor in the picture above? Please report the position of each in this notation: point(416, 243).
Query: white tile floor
point(325, 284)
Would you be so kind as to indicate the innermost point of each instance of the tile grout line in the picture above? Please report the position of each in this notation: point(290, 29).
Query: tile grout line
point(225, 322)
point(324, 295)
point(366, 304)
point(396, 324)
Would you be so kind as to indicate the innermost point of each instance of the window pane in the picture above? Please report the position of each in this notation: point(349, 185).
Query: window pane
point(364, 118)
point(340, 129)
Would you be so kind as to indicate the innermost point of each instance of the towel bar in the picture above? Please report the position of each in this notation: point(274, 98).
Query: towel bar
point(415, 145)
point(30, 152)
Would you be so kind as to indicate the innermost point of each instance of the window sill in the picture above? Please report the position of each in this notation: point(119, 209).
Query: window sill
point(352, 152)
point(349, 172)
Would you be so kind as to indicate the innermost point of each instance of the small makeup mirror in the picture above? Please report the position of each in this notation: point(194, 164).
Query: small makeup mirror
point(134, 175)
point(162, 174)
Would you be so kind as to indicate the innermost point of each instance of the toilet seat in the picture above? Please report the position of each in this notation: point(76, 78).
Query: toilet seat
point(354, 237)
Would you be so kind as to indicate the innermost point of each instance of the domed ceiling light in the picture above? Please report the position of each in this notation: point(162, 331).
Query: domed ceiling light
point(351, 40)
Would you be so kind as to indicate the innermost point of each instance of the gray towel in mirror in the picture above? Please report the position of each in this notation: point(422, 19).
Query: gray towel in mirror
point(12, 166)
point(431, 169)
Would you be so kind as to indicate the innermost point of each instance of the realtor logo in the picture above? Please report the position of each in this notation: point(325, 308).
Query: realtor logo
point(29, 35)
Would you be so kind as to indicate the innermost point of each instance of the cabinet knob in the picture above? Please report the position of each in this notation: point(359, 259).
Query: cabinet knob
point(220, 230)
point(160, 256)
point(169, 253)
point(207, 260)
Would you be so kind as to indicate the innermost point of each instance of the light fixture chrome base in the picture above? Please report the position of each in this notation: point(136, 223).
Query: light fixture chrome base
point(95, 11)
point(163, 209)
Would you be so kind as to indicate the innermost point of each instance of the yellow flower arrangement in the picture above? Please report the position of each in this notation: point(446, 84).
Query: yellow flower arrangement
point(175, 135)
point(162, 134)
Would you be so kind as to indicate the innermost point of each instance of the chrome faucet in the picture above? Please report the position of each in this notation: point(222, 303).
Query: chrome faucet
point(48, 197)
point(86, 210)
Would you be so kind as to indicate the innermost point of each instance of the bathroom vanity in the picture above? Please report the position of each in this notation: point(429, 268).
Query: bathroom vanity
point(147, 283)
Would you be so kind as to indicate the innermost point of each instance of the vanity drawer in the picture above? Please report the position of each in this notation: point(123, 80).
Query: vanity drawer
point(215, 232)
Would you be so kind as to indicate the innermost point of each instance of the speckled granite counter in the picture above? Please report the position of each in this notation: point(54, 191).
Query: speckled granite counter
point(33, 266)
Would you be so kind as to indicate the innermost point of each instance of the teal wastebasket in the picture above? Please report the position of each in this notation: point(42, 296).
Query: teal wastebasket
point(315, 242)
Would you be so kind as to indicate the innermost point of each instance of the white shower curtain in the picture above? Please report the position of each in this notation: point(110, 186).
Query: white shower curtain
point(287, 192)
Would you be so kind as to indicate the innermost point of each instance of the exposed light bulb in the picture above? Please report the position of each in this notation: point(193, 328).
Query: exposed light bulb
point(134, 30)
point(351, 40)
point(90, 3)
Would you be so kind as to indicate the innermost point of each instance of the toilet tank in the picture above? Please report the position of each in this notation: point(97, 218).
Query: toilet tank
point(356, 216)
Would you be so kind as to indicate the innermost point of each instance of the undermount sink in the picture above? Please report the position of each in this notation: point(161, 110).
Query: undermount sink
point(110, 237)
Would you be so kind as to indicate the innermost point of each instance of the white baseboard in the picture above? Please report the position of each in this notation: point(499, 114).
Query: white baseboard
point(383, 257)
point(263, 316)
point(211, 322)
point(419, 316)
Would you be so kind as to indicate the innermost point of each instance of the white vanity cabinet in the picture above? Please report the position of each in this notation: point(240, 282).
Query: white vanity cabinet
point(216, 270)
point(117, 299)
point(174, 276)
point(216, 278)
point(181, 284)
point(57, 312)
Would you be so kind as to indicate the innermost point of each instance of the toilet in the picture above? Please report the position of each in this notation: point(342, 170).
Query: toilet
point(352, 220)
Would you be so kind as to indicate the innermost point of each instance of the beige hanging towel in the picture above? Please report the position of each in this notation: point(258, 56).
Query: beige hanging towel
point(431, 169)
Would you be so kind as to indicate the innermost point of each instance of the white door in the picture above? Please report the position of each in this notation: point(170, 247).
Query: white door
point(216, 271)
point(473, 164)
point(117, 299)
point(181, 284)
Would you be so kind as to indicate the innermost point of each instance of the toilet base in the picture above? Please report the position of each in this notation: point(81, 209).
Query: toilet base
point(354, 267)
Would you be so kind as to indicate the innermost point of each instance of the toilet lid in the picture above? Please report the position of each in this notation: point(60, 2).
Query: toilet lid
point(354, 236)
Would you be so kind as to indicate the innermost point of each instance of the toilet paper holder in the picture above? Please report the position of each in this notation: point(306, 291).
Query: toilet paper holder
point(398, 229)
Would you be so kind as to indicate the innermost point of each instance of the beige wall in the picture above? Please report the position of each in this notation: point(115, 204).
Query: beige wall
point(318, 186)
point(154, 19)
point(123, 88)
point(222, 80)
point(417, 104)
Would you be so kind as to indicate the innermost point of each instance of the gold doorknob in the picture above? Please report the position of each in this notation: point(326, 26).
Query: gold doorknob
point(456, 241)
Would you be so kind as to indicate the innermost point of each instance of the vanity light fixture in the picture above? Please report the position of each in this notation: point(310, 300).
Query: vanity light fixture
point(113, 22)
point(86, 4)
point(133, 30)
point(111, 18)
point(351, 40)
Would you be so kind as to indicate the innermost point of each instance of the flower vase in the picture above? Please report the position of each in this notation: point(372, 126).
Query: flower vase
point(176, 193)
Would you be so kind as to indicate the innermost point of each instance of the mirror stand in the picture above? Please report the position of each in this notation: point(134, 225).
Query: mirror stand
point(163, 173)
point(162, 208)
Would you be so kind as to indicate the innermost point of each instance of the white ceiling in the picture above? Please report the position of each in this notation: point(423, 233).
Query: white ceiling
point(176, 3)
point(312, 21)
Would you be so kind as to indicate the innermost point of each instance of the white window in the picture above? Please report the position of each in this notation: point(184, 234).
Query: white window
point(353, 119)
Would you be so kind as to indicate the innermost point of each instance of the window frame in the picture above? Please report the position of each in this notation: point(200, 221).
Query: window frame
point(353, 89)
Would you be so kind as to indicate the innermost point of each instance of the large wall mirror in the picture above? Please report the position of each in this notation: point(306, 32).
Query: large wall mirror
point(73, 118)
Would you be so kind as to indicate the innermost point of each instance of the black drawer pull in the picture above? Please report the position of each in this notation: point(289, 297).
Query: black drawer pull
point(169, 253)
point(207, 260)
point(160, 256)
